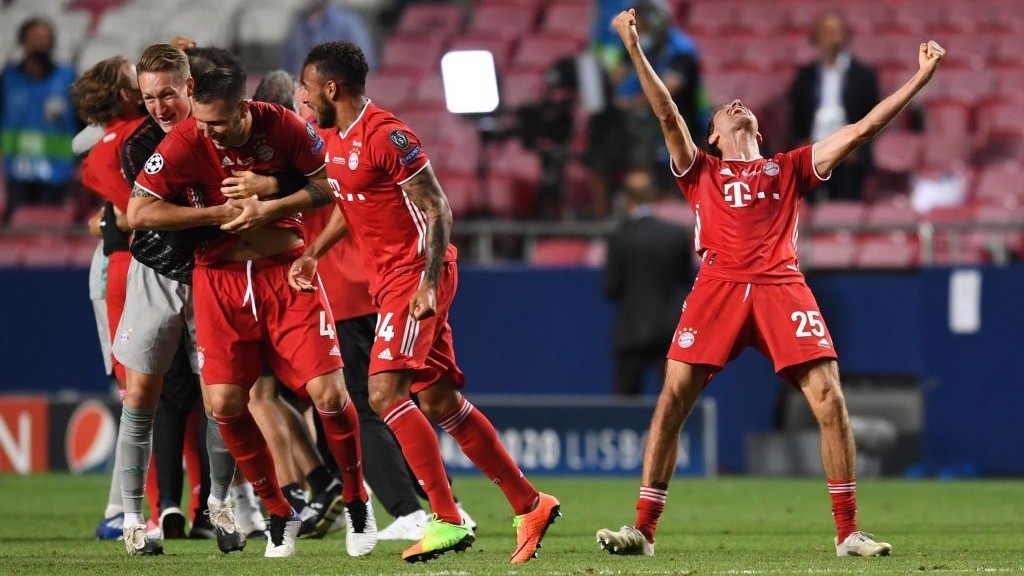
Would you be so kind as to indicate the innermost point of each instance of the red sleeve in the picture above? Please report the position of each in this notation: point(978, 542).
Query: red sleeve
point(397, 151)
point(688, 177)
point(164, 174)
point(798, 165)
point(305, 147)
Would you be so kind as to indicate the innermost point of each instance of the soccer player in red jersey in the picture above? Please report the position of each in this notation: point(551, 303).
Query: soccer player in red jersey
point(399, 217)
point(120, 112)
point(749, 290)
point(244, 309)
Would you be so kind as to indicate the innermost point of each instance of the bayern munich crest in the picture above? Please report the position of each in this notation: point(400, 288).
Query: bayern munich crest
point(771, 168)
point(353, 160)
point(687, 337)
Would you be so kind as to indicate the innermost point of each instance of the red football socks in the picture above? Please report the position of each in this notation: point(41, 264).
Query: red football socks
point(245, 441)
point(844, 506)
point(419, 445)
point(649, 507)
point(478, 439)
point(342, 431)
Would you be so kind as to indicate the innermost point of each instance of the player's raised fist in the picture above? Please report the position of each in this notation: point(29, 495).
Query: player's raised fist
point(625, 25)
point(929, 55)
point(423, 304)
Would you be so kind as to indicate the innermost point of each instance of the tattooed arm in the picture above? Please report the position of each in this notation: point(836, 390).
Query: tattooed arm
point(256, 213)
point(146, 211)
point(425, 192)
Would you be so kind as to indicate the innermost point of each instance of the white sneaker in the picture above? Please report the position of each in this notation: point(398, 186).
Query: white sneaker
point(139, 544)
point(230, 536)
point(861, 544)
point(361, 528)
point(467, 520)
point(626, 541)
point(281, 536)
point(408, 527)
point(249, 517)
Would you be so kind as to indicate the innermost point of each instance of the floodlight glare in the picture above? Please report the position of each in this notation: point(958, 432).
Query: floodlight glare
point(470, 82)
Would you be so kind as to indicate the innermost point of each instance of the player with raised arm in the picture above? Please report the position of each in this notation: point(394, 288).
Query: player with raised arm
point(749, 290)
point(245, 312)
point(395, 209)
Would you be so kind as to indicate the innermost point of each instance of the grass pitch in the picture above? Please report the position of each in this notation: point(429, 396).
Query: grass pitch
point(722, 526)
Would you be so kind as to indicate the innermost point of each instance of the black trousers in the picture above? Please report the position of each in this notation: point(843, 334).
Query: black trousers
point(178, 399)
point(631, 366)
point(384, 464)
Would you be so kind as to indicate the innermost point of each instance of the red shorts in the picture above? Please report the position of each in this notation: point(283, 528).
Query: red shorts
point(246, 313)
point(722, 318)
point(401, 343)
point(117, 283)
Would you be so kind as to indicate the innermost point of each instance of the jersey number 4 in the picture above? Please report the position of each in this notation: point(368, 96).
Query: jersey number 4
point(384, 329)
point(811, 319)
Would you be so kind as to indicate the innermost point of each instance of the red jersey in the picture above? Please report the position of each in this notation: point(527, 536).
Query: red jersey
point(367, 163)
point(188, 169)
point(746, 214)
point(101, 169)
point(341, 269)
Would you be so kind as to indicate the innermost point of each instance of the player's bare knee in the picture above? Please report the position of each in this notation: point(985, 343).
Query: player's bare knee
point(228, 402)
point(382, 398)
point(436, 408)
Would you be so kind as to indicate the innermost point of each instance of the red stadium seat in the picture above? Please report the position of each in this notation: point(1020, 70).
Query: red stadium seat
point(507, 19)
point(560, 252)
point(892, 251)
point(500, 46)
point(898, 151)
point(522, 88)
point(444, 20)
point(1000, 186)
point(838, 213)
point(35, 216)
point(392, 90)
point(429, 91)
point(541, 50)
point(830, 251)
point(571, 19)
point(413, 55)
point(960, 248)
point(48, 255)
point(676, 212)
point(891, 214)
point(946, 120)
point(462, 192)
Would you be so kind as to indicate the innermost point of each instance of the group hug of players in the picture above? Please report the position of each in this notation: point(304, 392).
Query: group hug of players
point(248, 240)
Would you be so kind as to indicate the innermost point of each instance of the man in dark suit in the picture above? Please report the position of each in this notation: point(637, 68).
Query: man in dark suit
point(827, 94)
point(648, 275)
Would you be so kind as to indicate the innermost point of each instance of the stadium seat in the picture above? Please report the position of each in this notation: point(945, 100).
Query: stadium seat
point(502, 19)
point(462, 192)
point(830, 251)
point(444, 20)
point(572, 19)
point(262, 29)
point(521, 88)
point(41, 216)
point(714, 17)
point(72, 29)
point(541, 50)
point(891, 214)
point(1000, 186)
point(838, 213)
point(889, 251)
point(560, 252)
point(946, 120)
point(898, 151)
point(390, 89)
point(207, 27)
point(429, 90)
point(499, 46)
point(950, 248)
point(102, 47)
point(47, 254)
point(413, 55)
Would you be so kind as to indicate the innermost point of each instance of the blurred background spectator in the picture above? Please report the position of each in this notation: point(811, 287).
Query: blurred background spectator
point(828, 93)
point(37, 121)
point(321, 21)
point(647, 276)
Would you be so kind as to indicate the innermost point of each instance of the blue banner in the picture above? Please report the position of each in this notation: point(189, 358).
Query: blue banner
point(586, 437)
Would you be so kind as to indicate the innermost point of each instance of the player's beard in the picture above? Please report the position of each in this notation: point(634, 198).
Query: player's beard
point(326, 116)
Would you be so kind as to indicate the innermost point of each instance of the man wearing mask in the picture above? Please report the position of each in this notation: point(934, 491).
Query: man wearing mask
point(37, 121)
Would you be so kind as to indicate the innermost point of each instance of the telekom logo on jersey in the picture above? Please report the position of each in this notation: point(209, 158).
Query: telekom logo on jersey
point(736, 193)
point(336, 187)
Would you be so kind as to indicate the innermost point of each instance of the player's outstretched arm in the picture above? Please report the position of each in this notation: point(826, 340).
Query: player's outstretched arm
point(148, 212)
point(677, 135)
point(300, 277)
point(425, 192)
point(832, 149)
